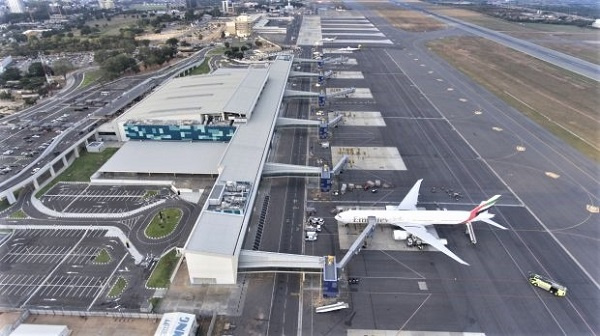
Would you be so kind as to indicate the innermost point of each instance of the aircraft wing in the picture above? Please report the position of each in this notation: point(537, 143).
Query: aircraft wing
point(410, 200)
point(421, 232)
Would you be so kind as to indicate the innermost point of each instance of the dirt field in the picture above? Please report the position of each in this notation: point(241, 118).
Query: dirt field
point(575, 41)
point(408, 20)
point(565, 103)
point(99, 326)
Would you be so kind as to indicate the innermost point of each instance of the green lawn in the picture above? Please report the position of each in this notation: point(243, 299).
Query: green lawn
point(4, 204)
point(202, 69)
point(118, 288)
point(216, 51)
point(161, 227)
point(19, 214)
point(91, 77)
point(150, 193)
point(103, 257)
point(162, 273)
point(82, 169)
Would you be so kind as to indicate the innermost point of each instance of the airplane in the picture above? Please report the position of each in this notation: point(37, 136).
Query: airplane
point(350, 48)
point(329, 39)
point(413, 221)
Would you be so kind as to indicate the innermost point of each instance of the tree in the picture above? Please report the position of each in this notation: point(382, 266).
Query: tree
point(62, 67)
point(117, 65)
point(172, 42)
point(85, 30)
point(5, 95)
point(227, 44)
point(36, 69)
point(258, 43)
point(11, 74)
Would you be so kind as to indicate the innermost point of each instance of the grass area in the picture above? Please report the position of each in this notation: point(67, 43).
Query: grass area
point(103, 257)
point(562, 102)
point(155, 303)
point(112, 27)
point(4, 204)
point(19, 214)
point(163, 223)
point(162, 273)
point(552, 36)
point(81, 170)
point(150, 193)
point(216, 51)
point(202, 69)
point(408, 20)
point(118, 288)
point(91, 77)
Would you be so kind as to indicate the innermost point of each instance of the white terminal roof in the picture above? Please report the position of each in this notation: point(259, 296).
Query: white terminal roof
point(160, 157)
point(221, 233)
point(186, 98)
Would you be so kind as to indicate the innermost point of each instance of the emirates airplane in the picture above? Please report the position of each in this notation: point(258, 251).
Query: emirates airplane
point(408, 217)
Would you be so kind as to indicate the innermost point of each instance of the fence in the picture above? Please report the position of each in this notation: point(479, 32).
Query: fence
point(121, 314)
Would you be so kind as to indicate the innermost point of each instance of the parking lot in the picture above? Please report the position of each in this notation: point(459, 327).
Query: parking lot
point(49, 254)
point(39, 267)
point(84, 198)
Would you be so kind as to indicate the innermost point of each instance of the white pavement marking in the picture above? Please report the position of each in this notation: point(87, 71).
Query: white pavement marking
point(52, 272)
point(106, 282)
point(65, 209)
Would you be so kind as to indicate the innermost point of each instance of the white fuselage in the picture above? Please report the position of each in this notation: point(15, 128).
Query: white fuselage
point(421, 217)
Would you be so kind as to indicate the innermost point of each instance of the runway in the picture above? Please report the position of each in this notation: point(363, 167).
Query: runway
point(556, 58)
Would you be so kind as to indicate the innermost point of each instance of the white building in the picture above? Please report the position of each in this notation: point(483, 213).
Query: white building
point(15, 6)
point(6, 61)
point(41, 330)
point(106, 4)
point(181, 324)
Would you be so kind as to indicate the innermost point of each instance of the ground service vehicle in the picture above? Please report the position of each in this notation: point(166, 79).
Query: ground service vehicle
point(547, 284)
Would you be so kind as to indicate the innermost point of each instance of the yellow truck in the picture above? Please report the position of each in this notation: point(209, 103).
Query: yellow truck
point(547, 284)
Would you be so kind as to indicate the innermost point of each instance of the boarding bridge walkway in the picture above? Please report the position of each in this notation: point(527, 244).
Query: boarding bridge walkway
point(263, 262)
point(340, 165)
point(291, 122)
point(327, 60)
point(309, 94)
point(300, 94)
point(358, 243)
point(273, 169)
point(326, 74)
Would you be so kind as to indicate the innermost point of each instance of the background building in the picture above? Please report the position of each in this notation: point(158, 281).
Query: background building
point(106, 4)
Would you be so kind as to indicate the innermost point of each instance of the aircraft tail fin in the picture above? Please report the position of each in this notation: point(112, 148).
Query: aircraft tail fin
point(480, 213)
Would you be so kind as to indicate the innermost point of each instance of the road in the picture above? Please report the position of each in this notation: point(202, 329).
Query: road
point(85, 122)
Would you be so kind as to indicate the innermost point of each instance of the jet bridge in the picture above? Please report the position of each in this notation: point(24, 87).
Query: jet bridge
point(320, 62)
point(300, 94)
point(274, 169)
point(292, 122)
point(263, 262)
point(358, 243)
point(344, 92)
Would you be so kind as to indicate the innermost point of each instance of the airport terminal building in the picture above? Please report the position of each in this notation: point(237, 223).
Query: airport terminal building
point(219, 125)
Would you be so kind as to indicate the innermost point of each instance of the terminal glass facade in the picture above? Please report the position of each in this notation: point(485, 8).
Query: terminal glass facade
point(220, 133)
